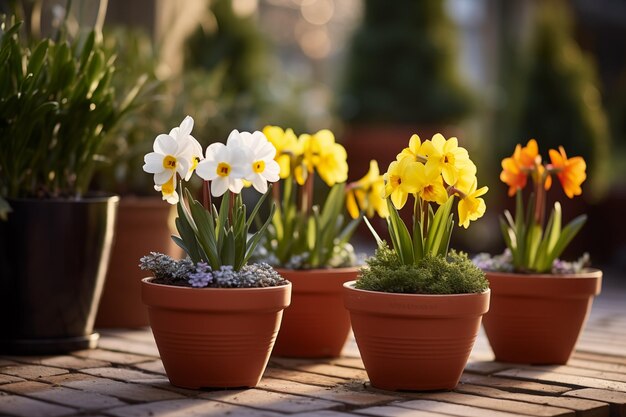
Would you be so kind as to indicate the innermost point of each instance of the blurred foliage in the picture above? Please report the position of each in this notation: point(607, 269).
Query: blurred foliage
point(57, 104)
point(560, 103)
point(402, 66)
point(229, 40)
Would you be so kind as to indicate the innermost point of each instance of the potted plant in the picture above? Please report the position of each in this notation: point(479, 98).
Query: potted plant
point(309, 243)
point(214, 316)
point(56, 107)
point(539, 303)
point(417, 307)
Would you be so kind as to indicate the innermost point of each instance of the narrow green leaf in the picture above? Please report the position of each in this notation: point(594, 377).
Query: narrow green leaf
point(379, 241)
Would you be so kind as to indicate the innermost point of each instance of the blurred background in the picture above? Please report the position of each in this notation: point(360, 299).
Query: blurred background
point(493, 73)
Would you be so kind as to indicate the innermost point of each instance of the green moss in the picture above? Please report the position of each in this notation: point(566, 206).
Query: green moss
point(455, 274)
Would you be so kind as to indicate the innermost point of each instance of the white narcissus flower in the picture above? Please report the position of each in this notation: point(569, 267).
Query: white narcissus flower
point(168, 190)
point(262, 167)
point(224, 165)
point(191, 148)
point(167, 160)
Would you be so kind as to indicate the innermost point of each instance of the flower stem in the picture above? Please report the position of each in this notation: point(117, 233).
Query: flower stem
point(206, 196)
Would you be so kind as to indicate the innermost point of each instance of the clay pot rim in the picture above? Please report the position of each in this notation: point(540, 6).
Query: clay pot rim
point(585, 274)
point(148, 281)
point(350, 285)
point(415, 305)
point(551, 286)
point(257, 299)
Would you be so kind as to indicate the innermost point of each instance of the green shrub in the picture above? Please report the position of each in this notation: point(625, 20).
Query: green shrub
point(455, 274)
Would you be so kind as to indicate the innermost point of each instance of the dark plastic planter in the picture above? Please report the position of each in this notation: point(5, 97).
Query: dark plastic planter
point(53, 261)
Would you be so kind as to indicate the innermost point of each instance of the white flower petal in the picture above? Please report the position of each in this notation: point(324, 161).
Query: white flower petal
point(182, 167)
point(174, 133)
point(165, 144)
point(266, 151)
point(219, 186)
point(207, 170)
point(161, 178)
point(186, 127)
point(171, 198)
point(216, 152)
point(272, 171)
point(235, 185)
point(259, 183)
point(233, 136)
point(153, 163)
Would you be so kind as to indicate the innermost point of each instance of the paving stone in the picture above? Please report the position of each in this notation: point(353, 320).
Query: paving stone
point(64, 396)
point(15, 405)
point(340, 394)
point(486, 367)
point(123, 390)
point(617, 400)
point(393, 411)
point(7, 379)
point(321, 368)
point(122, 358)
point(570, 380)
point(454, 409)
point(266, 400)
point(571, 370)
point(498, 404)
point(164, 383)
point(303, 377)
point(188, 408)
point(324, 413)
point(5, 362)
point(348, 362)
point(32, 371)
point(126, 345)
point(121, 374)
point(599, 366)
point(514, 385)
point(152, 366)
point(583, 407)
point(63, 361)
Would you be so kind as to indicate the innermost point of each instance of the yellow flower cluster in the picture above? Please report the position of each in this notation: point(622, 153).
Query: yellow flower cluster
point(302, 156)
point(366, 194)
point(433, 171)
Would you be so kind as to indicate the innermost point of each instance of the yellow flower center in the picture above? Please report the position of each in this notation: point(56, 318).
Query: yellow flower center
point(194, 163)
point(168, 187)
point(258, 166)
point(169, 162)
point(395, 180)
point(448, 158)
point(223, 169)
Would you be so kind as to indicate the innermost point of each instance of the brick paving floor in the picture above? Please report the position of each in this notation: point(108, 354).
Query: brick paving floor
point(124, 377)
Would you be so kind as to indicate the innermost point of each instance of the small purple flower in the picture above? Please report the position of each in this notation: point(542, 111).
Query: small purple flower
point(202, 277)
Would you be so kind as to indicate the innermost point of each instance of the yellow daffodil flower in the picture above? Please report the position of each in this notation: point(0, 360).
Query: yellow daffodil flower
point(471, 207)
point(402, 178)
point(413, 151)
point(287, 147)
point(432, 188)
point(366, 194)
point(446, 156)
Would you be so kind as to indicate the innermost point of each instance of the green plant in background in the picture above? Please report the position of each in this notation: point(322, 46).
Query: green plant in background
point(57, 105)
point(402, 66)
point(433, 172)
point(560, 101)
point(227, 39)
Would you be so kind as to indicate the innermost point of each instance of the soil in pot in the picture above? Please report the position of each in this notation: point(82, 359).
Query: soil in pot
point(214, 337)
point(53, 261)
point(316, 324)
point(414, 342)
point(537, 319)
point(143, 226)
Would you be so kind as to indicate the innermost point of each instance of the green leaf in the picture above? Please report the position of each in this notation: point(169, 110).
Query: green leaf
point(379, 241)
point(567, 234)
point(87, 49)
point(418, 241)
point(438, 226)
point(404, 241)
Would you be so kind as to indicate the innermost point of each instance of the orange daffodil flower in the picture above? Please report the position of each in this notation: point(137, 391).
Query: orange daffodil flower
point(433, 170)
point(526, 162)
point(571, 172)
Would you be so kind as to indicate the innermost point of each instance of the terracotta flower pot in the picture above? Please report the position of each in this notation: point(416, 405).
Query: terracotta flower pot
point(214, 337)
point(414, 341)
point(143, 225)
point(537, 318)
point(316, 324)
